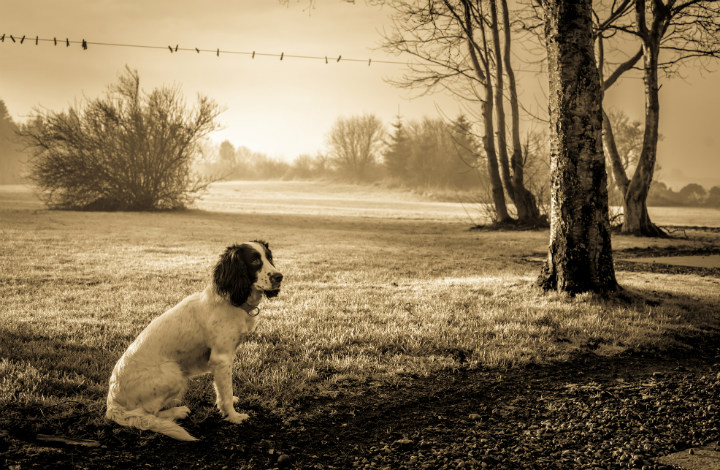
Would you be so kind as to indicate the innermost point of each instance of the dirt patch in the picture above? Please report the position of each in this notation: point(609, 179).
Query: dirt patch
point(669, 260)
point(591, 412)
point(697, 261)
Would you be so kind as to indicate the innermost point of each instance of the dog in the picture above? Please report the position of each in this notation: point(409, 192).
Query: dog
point(197, 336)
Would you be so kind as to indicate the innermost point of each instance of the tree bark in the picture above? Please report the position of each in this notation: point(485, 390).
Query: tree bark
point(580, 253)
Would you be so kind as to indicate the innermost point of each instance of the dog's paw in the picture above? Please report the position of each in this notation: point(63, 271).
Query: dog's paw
point(177, 412)
point(181, 412)
point(236, 418)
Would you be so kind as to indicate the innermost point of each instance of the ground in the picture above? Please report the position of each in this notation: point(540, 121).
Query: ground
point(591, 412)
point(401, 339)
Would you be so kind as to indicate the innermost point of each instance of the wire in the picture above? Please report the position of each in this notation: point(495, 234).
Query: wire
point(217, 51)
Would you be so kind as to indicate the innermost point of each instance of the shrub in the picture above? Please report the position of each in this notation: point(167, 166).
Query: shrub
point(128, 150)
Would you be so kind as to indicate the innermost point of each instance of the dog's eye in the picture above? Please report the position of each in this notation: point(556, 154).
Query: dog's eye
point(256, 261)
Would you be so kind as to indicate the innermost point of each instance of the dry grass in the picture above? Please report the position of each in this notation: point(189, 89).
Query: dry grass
point(366, 300)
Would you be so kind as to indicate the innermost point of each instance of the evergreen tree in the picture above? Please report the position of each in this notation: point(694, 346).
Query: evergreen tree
point(397, 154)
point(423, 170)
point(466, 155)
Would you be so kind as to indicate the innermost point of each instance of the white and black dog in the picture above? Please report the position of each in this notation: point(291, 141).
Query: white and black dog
point(198, 335)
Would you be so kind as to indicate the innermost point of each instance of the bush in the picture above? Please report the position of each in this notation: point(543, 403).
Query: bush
point(129, 150)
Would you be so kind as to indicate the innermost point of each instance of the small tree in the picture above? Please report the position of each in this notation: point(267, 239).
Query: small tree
point(128, 150)
point(670, 33)
point(465, 159)
point(226, 154)
point(355, 144)
point(623, 139)
point(397, 152)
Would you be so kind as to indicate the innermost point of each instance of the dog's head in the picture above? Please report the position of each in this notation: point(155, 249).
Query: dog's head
point(244, 269)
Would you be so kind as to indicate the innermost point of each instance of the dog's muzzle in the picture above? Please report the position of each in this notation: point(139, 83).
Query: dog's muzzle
point(272, 293)
point(275, 281)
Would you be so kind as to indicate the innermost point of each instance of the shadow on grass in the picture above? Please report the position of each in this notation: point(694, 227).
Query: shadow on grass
point(560, 415)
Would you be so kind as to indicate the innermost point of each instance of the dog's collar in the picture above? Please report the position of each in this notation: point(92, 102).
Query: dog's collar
point(252, 310)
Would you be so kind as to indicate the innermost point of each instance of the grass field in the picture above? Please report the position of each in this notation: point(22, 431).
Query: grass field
point(374, 293)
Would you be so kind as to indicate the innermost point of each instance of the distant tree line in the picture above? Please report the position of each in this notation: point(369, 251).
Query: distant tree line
point(428, 153)
point(433, 152)
point(423, 154)
point(691, 195)
point(225, 162)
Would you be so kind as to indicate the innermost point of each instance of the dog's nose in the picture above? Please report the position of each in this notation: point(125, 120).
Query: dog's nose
point(276, 277)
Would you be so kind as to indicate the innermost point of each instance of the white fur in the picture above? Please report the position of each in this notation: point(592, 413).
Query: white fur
point(198, 335)
point(263, 276)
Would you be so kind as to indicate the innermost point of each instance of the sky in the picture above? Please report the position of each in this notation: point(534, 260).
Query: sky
point(286, 108)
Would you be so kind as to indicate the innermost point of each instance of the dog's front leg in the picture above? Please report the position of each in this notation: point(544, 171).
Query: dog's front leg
point(221, 367)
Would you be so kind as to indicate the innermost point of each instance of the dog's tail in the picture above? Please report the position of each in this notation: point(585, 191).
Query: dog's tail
point(141, 419)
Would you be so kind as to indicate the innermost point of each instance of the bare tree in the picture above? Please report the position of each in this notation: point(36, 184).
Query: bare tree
point(355, 144)
point(524, 199)
point(625, 136)
point(580, 253)
point(457, 46)
point(681, 31)
point(129, 150)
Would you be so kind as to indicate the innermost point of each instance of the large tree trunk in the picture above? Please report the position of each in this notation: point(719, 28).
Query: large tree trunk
point(580, 253)
point(637, 221)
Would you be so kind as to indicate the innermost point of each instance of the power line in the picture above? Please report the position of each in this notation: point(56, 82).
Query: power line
point(217, 51)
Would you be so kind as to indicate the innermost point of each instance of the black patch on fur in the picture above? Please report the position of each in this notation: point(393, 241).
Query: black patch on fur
point(272, 293)
point(233, 275)
point(206, 354)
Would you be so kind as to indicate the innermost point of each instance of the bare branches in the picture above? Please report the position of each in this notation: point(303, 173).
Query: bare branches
point(622, 68)
point(125, 151)
point(355, 145)
point(439, 35)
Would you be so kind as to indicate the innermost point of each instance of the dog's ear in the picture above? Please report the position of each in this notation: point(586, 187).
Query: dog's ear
point(231, 277)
